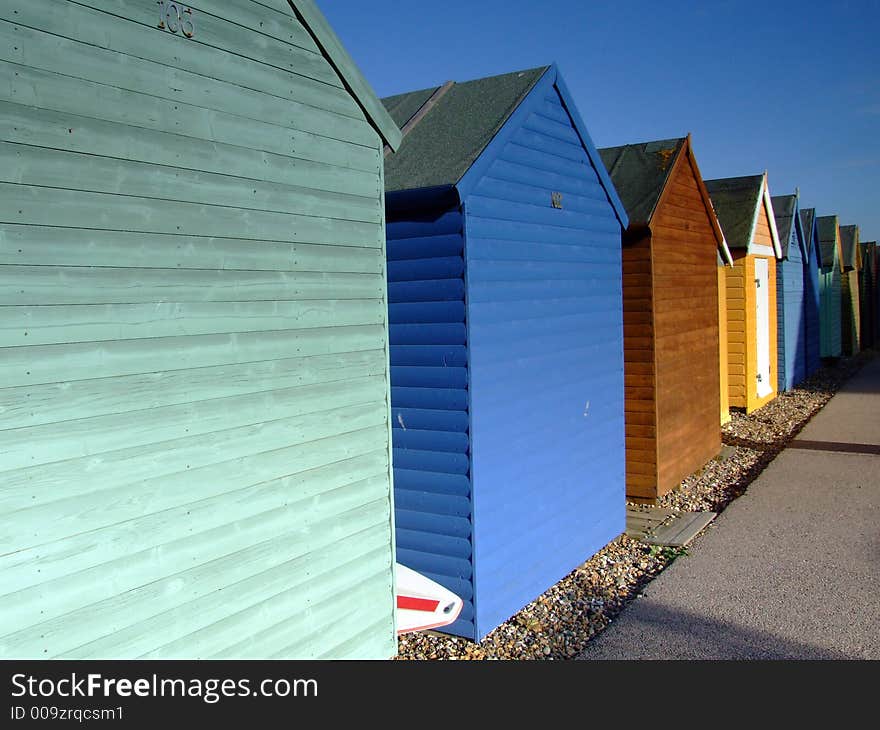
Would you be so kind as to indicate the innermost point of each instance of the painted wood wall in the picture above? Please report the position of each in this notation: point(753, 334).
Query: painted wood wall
point(546, 359)
point(640, 369)
point(830, 296)
point(742, 331)
point(724, 377)
point(671, 318)
point(867, 296)
point(850, 313)
point(812, 308)
point(194, 435)
point(791, 345)
point(430, 401)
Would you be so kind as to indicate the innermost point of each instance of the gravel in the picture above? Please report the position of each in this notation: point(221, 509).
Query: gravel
point(559, 623)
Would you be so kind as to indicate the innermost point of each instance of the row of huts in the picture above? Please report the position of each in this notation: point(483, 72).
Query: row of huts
point(263, 334)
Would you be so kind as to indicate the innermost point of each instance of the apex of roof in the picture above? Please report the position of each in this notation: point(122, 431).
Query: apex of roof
point(736, 199)
point(639, 173)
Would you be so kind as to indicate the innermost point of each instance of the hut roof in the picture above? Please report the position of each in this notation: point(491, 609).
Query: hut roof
point(829, 237)
point(443, 144)
point(808, 219)
point(849, 247)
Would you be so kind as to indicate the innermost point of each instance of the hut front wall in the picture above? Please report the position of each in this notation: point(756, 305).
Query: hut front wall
point(546, 361)
point(791, 320)
point(429, 378)
point(194, 437)
point(849, 311)
point(812, 311)
point(640, 381)
point(685, 279)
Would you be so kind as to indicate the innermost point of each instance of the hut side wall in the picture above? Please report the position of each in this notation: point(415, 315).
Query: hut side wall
point(812, 310)
point(640, 382)
point(685, 273)
point(194, 440)
point(724, 377)
point(546, 361)
point(849, 312)
point(429, 379)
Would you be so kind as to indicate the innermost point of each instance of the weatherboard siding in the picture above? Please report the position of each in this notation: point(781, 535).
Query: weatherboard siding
point(812, 310)
point(724, 377)
point(685, 276)
point(831, 297)
point(546, 362)
point(194, 418)
point(429, 375)
point(850, 314)
point(639, 370)
point(791, 323)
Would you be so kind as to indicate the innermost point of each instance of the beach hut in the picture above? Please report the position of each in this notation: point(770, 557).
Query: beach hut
point(504, 236)
point(868, 294)
point(671, 314)
point(829, 286)
point(745, 212)
point(812, 307)
point(851, 319)
point(194, 413)
point(791, 318)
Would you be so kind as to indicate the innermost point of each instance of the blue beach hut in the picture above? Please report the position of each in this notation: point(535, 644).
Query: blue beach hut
point(505, 285)
point(791, 343)
point(812, 307)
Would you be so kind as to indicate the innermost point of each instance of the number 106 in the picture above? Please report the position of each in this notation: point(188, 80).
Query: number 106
point(175, 19)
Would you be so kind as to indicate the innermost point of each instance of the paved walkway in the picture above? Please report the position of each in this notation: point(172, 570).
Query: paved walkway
point(790, 570)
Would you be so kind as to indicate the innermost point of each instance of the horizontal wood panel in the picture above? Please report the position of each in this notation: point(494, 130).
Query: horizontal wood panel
point(23, 204)
point(51, 246)
point(34, 445)
point(337, 167)
point(49, 325)
point(33, 87)
point(40, 167)
point(47, 285)
point(84, 361)
point(51, 403)
point(75, 628)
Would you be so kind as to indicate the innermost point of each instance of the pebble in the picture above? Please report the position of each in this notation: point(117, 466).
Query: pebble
point(559, 623)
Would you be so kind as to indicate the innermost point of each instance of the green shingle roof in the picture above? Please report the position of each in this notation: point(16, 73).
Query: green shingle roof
point(443, 145)
point(639, 173)
point(828, 233)
point(735, 200)
point(849, 246)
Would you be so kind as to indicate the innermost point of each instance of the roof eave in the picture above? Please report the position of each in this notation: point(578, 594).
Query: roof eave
point(348, 71)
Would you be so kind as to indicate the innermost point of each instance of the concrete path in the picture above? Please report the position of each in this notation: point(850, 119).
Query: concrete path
point(790, 570)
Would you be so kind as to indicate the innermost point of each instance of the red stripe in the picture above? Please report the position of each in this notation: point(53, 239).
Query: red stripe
point(417, 604)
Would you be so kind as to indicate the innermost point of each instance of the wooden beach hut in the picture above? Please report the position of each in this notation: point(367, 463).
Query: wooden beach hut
point(868, 294)
point(830, 286)
point(812, 305)
point(194, 411)
point(851, 253)
point(506, 340)
point(671, 314)
point(791, 317)
point(745, 211)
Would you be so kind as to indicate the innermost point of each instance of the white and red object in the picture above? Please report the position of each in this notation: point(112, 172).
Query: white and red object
point(423, 603)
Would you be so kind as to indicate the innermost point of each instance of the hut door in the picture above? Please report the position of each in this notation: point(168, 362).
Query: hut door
point(762, 317)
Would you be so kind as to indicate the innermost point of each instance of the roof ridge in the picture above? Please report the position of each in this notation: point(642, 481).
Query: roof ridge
point(422, 112)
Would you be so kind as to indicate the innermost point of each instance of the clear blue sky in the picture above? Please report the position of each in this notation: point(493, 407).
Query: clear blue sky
point(793, 88)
